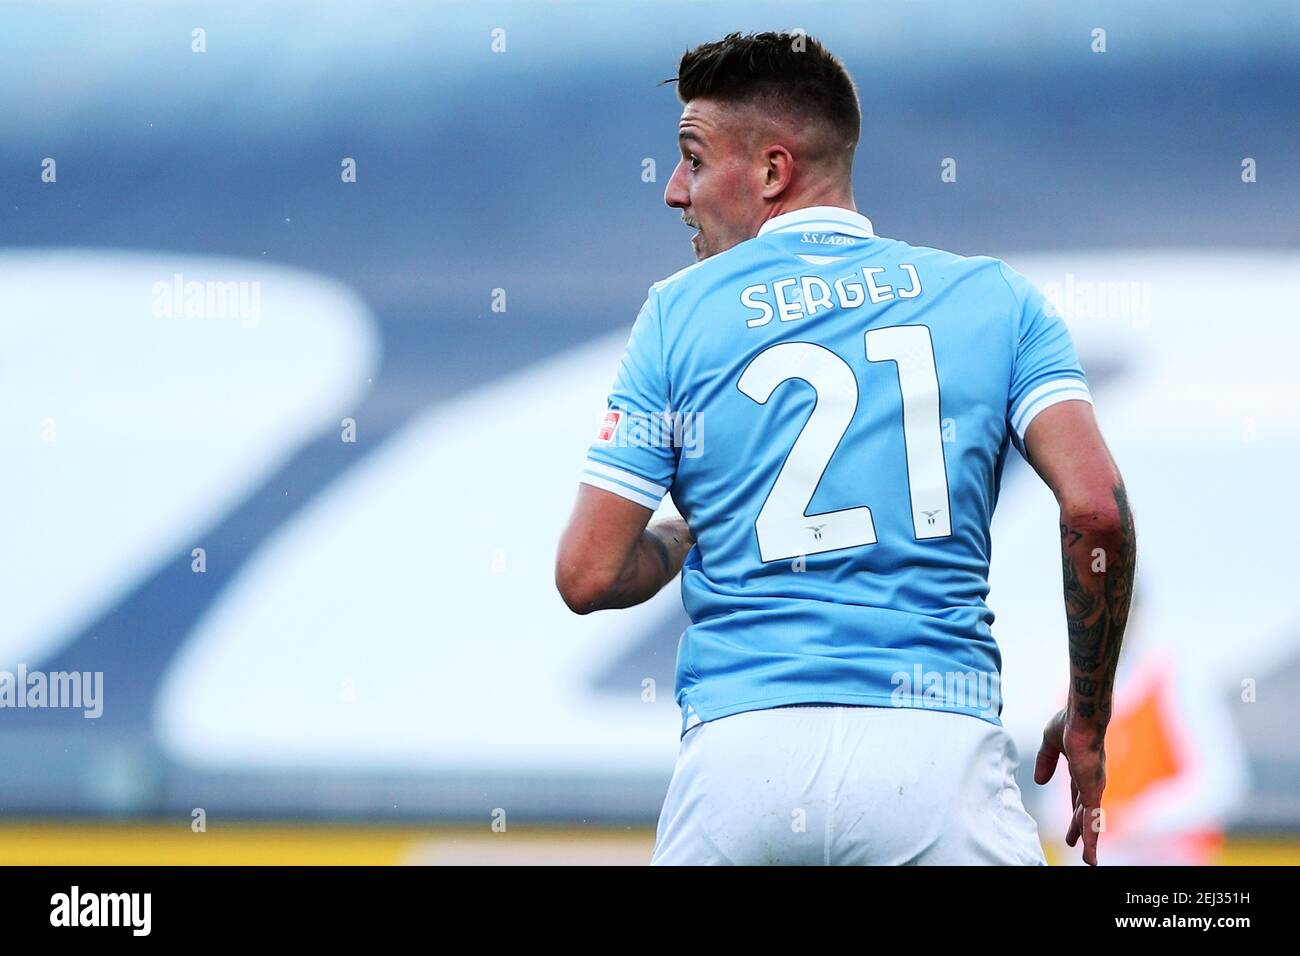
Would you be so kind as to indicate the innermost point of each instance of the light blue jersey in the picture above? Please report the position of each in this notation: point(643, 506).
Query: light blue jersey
point(831, 411)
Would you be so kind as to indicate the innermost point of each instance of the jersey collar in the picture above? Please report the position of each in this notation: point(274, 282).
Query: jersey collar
point(820, 219)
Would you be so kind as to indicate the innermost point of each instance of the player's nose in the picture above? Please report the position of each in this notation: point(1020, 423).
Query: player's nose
point(675, 194)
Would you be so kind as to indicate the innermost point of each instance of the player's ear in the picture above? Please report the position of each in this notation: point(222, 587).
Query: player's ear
point(778, 168)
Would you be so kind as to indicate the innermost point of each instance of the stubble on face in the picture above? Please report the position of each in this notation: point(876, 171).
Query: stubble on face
point(718, 137)
point(694, 137)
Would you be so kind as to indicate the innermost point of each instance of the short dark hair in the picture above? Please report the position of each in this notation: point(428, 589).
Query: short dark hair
point(793, 71)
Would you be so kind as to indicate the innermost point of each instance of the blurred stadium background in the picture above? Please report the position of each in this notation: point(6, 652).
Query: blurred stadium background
point(372, 665)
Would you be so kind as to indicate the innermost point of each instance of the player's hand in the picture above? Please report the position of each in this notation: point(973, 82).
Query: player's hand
point(1085, 756)
point(675, 527)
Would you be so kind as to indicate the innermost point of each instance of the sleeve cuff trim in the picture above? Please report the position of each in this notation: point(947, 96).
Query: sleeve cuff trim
point(623, 491)
point(628, 478)
point(1044, 397)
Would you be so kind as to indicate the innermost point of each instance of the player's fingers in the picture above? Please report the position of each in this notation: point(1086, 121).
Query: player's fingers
point(1049, 753)
point(1090, 790)
point(1045, 764)
point(1091, 831)
point(1072, 834)
point(1076, 826)
point(1089, 787)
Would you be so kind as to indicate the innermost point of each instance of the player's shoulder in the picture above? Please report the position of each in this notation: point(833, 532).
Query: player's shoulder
point(950, 264)
point(989, 278)
point(676, 297)
point(707, 273)
point(679, 275)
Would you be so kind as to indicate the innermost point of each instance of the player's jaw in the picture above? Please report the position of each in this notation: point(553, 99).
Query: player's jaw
point(713, 234)
point(713, 237)
point(719, 209)
point(697, 241)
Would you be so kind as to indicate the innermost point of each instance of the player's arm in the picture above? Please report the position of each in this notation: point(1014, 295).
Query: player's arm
point(1098, 548)
point(1098, 556)
point(608, 557)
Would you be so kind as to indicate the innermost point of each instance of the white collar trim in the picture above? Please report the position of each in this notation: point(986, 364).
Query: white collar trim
point(820, 218)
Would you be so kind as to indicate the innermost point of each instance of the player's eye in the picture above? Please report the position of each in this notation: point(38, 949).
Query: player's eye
point(695, 161)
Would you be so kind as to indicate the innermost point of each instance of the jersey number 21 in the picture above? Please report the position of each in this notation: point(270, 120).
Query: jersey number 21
point(784, 530)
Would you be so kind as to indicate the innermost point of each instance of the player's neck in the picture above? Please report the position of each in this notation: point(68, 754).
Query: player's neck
point(837, 200)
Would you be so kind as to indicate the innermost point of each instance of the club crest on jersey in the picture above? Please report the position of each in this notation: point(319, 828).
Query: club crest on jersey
point(609, 426)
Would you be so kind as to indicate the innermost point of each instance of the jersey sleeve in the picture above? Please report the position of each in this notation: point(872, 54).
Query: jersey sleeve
point(1045, 369)
point(634, 454)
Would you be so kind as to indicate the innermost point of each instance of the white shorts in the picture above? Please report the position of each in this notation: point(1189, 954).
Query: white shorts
point(828, 785)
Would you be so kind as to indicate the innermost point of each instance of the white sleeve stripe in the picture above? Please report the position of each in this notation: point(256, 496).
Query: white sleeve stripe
point(1047, 401)
point(623, 491)
point(1042, 390)
point(626, 477)
point(1034, 395)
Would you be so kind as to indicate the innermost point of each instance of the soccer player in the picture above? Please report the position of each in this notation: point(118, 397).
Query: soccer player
point(849, 401)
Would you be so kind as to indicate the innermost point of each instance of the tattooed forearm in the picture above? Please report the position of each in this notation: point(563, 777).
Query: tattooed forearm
point(1098, 560)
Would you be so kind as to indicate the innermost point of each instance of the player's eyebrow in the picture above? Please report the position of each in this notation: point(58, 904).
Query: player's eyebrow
point(687, 134)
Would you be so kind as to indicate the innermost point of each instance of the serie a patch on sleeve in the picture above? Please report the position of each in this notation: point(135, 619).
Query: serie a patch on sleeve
point(609, 426)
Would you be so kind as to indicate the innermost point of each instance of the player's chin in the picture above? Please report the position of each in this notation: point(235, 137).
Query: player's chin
point(699, 246)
